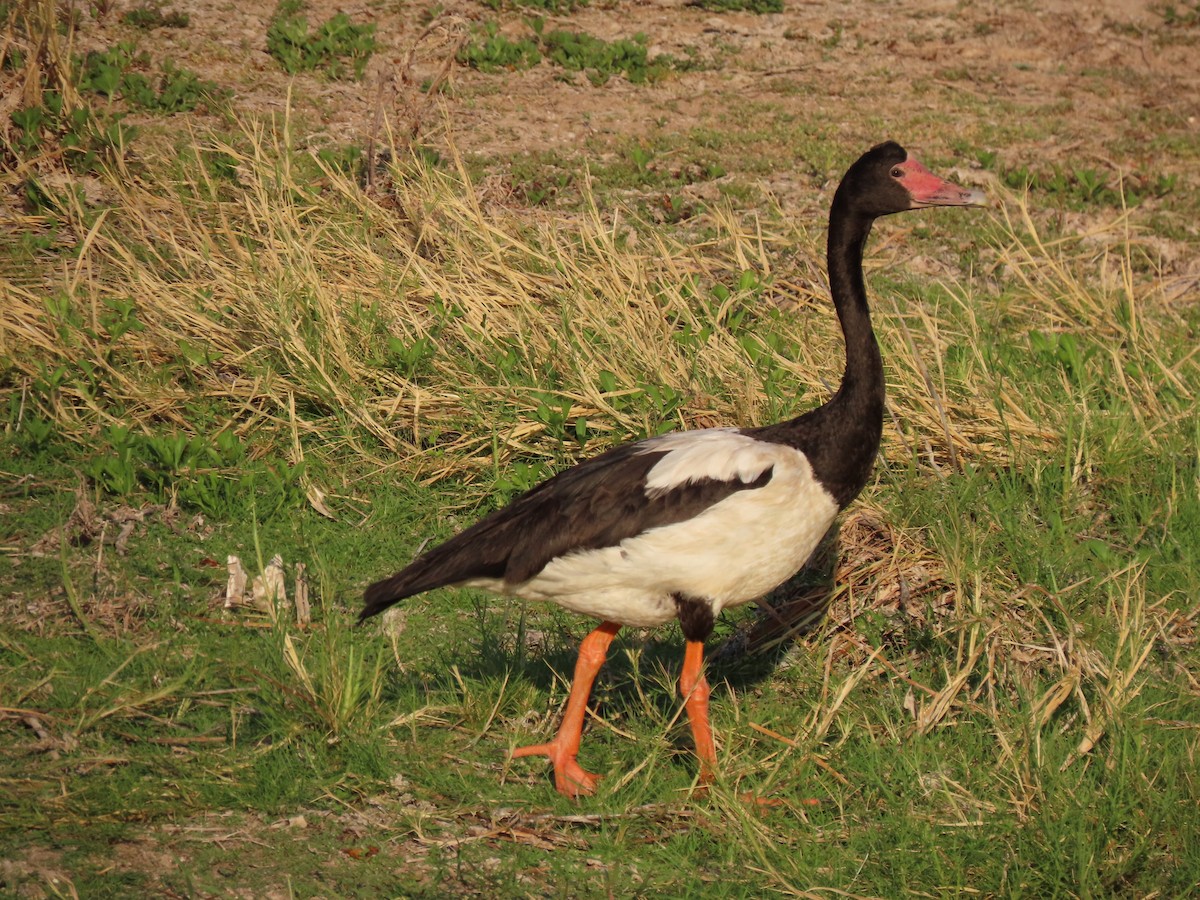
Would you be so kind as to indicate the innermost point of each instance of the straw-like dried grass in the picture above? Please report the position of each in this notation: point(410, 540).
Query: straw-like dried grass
point(273, 297)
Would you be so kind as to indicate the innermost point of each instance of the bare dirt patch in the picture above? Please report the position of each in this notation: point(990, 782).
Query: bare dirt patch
point(33, 873)
point(921, 71)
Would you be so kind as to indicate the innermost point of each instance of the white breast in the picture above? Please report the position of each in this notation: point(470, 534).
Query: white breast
point(733, 552)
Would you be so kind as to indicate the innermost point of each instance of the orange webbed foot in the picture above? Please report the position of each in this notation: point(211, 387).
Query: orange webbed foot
point(570, 779)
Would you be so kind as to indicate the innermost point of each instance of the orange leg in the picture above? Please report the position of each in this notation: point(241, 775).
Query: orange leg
point(569, 778)
point(695, 700)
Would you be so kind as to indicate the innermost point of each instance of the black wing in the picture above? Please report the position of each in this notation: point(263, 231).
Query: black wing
point(597, 503)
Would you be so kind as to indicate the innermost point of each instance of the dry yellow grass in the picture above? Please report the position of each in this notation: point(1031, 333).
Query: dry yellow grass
point(260, 293)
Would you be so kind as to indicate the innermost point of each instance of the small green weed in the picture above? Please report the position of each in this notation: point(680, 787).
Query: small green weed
point(174, 90)
point(347, 159)
point(599, 60)
point(430, 13)
point(540, 179)
point(557, 7)
point(410, 358)
point(1186, 15)
point(1063, 350)
point(153, 15)
point(573, 51)
point(338, 46)
point(35, 434)
point(211, 473)
point(86, 140)
point(1079, 187)
point(754, 6)
point(554, 414)
point(656, 406)
point(491, 51)
point(123, 70)
point(518, 478)
point(102, 71)
point(660, 168)
point(100, 9)
point(337, 679)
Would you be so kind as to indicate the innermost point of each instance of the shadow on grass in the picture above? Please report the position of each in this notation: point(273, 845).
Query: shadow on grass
point(535, 647)
point(745, 648)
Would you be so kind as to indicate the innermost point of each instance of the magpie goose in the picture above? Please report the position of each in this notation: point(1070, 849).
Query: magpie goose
point(686, 524)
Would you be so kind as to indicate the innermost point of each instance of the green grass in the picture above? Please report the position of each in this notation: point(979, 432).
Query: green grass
point(573, 51)
point(754, 6)
point(1185, 15)
point(1041, 656)
point(338, 47)
point(151, 15)
point(243, 352)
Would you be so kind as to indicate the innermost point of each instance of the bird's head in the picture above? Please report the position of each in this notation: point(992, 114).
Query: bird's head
point(886, 179)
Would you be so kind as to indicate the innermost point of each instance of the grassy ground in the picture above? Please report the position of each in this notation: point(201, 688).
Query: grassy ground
point(216, 341)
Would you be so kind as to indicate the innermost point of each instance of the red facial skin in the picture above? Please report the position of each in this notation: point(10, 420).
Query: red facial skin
point(928, 189)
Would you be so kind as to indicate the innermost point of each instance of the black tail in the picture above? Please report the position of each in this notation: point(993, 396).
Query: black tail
point(423, 574)
point(516, 542)
point(459, 559)
point(381, 595)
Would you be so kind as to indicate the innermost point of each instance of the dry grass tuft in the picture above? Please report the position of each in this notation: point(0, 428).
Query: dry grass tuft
point(41, 36)
point(1105, 283)
point(273, 300)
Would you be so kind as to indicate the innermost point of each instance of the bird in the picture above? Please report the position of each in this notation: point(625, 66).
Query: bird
point(686, 524)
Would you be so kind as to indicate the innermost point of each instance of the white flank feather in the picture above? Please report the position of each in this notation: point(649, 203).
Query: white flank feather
point(733, 552)
point(719, 454)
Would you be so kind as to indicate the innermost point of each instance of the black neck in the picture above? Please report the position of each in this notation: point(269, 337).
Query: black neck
point(840, 438)
point(862, 381)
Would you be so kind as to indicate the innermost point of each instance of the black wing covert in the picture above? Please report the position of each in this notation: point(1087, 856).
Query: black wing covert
point(597, 503)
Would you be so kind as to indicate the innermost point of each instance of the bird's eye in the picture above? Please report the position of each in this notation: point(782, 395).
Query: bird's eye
point(897, 172)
